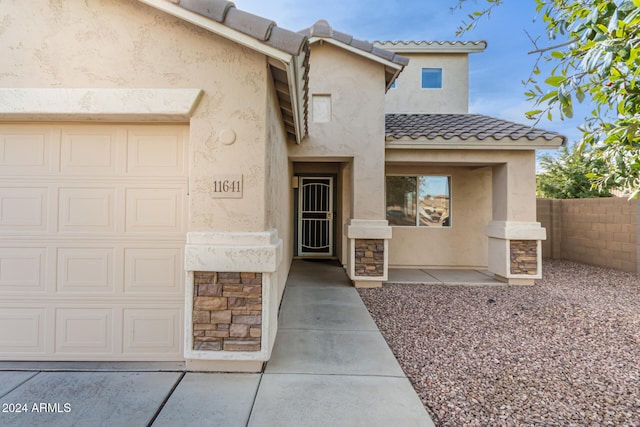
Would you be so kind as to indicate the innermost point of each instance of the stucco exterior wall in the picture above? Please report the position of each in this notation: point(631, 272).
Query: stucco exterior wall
point(409, 97)
point(124, 44)
point(279, 209)
point(356, 127)
point(464, 244)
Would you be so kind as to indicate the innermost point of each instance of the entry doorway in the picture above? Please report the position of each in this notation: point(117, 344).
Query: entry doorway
point(316, 216)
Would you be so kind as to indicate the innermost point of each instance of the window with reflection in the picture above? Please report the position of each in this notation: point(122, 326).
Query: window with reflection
point(419, 201)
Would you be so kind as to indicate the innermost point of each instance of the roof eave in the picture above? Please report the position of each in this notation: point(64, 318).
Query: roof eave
point(474, 143)
point(290, 62)
point(372, 57)
point(217, 28)
point(435, 47)
point(296, 83)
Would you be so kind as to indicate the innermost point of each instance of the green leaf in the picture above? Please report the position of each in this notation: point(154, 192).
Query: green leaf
point(555, 81)
point(557, 54)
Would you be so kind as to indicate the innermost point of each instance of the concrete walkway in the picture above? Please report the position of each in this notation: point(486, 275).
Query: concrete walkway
point(330, 367)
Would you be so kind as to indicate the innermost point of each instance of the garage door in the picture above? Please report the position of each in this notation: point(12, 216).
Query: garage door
point(92, 233)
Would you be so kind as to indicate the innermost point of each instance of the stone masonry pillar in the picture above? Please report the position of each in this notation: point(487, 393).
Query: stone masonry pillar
point(368, 247)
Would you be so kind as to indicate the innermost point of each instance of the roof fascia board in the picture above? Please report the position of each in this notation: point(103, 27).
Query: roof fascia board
point(296, 83)
point(393, 79)
point(218, 28)
point(357, 51)
point(401, 47)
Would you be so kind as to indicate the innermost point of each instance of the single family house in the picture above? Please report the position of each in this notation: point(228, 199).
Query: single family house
point(163, 161)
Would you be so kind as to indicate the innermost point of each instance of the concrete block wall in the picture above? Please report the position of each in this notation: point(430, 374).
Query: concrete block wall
point(600, 232)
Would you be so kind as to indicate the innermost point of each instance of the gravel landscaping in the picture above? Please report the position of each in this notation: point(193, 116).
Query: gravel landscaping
point(563, 352)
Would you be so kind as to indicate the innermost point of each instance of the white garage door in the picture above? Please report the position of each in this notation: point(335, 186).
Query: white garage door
point(92, 231)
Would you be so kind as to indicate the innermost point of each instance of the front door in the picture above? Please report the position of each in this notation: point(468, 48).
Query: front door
point(315, 216)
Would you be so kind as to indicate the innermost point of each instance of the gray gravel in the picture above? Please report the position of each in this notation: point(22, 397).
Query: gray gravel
point(563, 352)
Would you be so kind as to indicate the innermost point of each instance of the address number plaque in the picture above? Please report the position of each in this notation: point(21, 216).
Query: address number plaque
point(227, 187)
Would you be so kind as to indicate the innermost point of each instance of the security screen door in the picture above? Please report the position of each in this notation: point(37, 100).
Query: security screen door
point(315, 216)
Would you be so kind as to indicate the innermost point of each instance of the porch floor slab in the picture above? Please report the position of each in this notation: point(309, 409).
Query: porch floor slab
point(433, 276)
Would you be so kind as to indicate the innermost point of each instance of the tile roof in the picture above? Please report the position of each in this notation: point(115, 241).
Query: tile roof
point(435, 46)
point(262, 29)
point(466, 127)
point(322, 29)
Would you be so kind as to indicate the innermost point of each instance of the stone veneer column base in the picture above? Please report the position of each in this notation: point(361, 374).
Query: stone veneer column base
point(515, 254)
point(368, 246)
point(231, 298)
point(227, 311)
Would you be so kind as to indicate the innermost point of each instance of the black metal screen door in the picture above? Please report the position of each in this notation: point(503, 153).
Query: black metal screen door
point(315, 216)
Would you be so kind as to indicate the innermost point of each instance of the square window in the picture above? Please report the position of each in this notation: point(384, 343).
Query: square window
point(432, 78)
point(419, 201)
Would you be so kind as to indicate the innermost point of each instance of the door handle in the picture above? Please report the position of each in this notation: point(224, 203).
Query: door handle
point(329, 215)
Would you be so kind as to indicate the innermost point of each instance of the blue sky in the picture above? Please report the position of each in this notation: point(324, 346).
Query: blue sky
point(495, 75)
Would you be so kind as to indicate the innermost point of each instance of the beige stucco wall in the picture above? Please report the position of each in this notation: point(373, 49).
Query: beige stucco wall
point(279, 213)
point(355, 132)
point(409, 97)
point(464, 244)
point(124, 44)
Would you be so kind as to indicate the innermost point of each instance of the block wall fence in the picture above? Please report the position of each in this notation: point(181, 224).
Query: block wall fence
point(601, 232)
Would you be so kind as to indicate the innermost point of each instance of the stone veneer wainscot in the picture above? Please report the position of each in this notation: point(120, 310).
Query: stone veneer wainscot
point(369, 257)
point(524, 257)
point(227, 311)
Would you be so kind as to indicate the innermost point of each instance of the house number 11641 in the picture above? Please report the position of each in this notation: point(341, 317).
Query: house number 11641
point(227, 187)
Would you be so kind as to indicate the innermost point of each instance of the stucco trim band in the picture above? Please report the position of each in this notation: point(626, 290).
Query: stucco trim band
point(516, 230)
point(257, 252)
point(98, 104)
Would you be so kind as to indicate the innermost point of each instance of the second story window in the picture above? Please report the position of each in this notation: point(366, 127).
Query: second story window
point(432, 78)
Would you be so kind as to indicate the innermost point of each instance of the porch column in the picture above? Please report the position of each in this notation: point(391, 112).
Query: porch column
point(231, 304)
point(368, 247)
point(515, 250)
